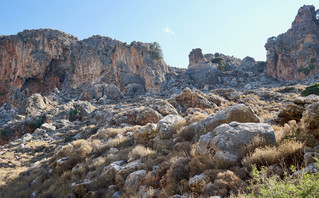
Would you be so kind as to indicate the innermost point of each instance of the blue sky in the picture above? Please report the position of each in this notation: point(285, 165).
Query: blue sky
point(231, 27)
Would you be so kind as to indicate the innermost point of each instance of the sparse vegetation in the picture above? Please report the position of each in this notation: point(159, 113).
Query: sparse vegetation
point(75, 114)
point(302, 185)
point(312, 89)
point(156, 51)
point(221, 63)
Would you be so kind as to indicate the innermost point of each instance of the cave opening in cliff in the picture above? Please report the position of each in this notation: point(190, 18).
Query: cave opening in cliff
point(57, 68)
point(30, 86)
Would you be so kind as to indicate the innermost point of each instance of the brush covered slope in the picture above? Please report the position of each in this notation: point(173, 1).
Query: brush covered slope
point(100, 118)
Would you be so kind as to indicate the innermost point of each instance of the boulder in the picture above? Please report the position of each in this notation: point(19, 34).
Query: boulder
point(202, 147)
point(145, 133)
point(231, 141)
point(127, 169)
point(163, 107)
point(248, 62)
point(48, 127)
point(230, 94)
point(35, 104)
point(112, 92)
point(290, 111)
point(84, 107)
point(309, 157)
point(311, 168)
point(134, 181)
point(239, 113)
point(111, 170)
point(134, 89)
point(306, 100)
point(310, 118)
point(138, 116)
point(97, 91)
point(198, 182)
point(168, 125)
point(192, 99)
point(216, 99)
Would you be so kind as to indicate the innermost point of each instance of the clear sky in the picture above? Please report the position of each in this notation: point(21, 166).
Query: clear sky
point(231, 27)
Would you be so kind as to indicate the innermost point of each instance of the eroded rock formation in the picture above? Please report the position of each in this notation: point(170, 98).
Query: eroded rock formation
point(37, 61)
point(294, 55)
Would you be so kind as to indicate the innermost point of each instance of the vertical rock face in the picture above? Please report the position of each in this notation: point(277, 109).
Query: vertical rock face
point(37, 61)
point(33, 61)
point(294, 55)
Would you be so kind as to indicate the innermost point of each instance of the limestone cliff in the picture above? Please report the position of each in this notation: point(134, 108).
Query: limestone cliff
point(294, 55)
point(37, 61)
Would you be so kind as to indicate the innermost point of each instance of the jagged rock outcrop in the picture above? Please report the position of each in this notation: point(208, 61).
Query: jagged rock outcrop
point(37, 61)
point(196, 56)
point(294, 55)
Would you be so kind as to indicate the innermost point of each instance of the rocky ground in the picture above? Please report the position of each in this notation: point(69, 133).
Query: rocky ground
point(192, 143)
point(101, 118)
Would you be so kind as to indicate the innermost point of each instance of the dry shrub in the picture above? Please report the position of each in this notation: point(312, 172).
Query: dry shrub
point(105, 133)
point(199, 163)
point(225, 184)
point(186, 133)
point(176, 177)
point(261, 157)
point(179, 169)
point(256, 142)
point(140, 151)
point(121, 155)
point(145, 134)
point(119, 142)
point(290, 152)
point(181, 149)
point(76, 151)
point(177, 126)
point(197, 116)
point(295, 131)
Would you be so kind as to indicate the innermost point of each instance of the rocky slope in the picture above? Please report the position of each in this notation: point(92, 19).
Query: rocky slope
point(100, 118)
point(294, 55)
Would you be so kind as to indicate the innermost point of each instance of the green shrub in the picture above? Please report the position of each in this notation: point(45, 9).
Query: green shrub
point(156, 51)
point(312, 89)
point(306, 71)
point(37, 123)
point(261, 63)
point(219, 60)
point(313, 60)
point(303, 185)
point(75, 114)
point(5, 133)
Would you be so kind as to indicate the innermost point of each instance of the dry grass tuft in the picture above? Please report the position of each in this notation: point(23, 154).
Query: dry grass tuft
point(140, 151)
point(288, 153)
point(197, 116)
point(225, 184)
point(105, 133)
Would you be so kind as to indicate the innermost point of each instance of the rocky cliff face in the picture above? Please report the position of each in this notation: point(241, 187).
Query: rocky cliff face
point(294, 55)
point(37, 61)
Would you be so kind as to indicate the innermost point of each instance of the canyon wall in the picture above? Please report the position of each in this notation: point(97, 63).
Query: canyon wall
point(37, 61)
point(294, 55)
